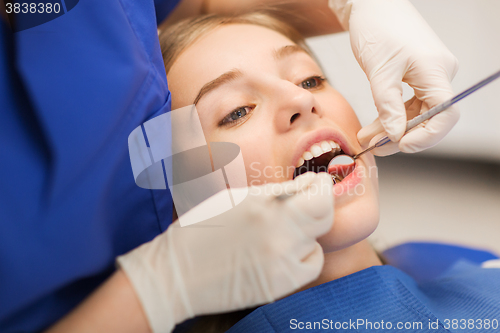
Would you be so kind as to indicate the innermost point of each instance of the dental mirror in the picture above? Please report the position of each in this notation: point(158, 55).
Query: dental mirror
point(340, 167)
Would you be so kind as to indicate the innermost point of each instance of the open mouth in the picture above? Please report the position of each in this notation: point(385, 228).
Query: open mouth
point(317, 158)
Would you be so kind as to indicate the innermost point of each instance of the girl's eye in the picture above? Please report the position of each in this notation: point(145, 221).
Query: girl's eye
point(235, 116)
point(312, 82)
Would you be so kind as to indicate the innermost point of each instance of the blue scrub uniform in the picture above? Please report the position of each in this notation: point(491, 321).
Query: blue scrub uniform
point(71, 91)
point(384, 299)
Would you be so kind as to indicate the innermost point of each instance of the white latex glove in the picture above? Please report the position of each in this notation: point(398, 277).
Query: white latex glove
point(259, 251)
point(394, 44)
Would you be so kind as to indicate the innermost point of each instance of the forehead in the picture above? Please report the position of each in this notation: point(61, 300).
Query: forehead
point(234, 44)
point(248, 48)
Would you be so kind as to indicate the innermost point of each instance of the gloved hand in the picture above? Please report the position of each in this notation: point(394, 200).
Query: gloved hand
point(257, 252)
point(394, 44)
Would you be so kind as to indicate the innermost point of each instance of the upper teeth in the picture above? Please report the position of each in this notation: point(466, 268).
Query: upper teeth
point(318, 149)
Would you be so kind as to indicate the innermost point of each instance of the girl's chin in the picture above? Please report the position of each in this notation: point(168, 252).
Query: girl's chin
point(330, 244)
point(354, 221)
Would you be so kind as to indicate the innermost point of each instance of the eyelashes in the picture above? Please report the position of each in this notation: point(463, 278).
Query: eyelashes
point(236, 116)
point(313, 82)
point(241, 113)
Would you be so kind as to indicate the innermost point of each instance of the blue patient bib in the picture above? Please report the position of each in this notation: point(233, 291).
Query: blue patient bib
point(384, 299)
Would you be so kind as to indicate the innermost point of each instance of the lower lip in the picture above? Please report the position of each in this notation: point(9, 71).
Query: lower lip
point(348, 184)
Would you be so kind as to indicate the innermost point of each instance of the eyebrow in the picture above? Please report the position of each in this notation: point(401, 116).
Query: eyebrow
point(288, 50)
point(235, 73)
point(221, 80)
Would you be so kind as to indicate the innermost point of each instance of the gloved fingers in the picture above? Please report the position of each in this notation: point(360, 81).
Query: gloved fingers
point(431, 86)
point(285, 189)
point(293, 272)
point(370, 134)
point(432, 93)
point(310, 265)
point(430, 76)
point(311, 208)
point(301, 182)
point(387, 95)
point(433, 131)
point(387, 149)
point(304, 266)
point(367, 133)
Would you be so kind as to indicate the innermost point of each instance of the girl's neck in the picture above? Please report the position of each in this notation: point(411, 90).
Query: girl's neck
point(345, 262)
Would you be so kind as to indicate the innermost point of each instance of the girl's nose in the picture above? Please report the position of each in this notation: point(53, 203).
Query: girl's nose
point(294, 105)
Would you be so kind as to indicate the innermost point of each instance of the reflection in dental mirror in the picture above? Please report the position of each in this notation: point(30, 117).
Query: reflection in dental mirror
point(340, 167)
point(341, 160)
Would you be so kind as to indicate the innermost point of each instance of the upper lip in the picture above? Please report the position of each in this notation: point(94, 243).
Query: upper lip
point(307, 140)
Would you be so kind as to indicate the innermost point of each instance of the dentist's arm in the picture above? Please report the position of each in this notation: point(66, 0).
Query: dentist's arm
point(113, 307)
point(309, 17)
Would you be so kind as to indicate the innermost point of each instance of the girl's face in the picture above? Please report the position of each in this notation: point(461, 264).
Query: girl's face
point(254, 87)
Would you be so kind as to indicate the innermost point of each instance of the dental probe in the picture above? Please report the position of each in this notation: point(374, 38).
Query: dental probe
point(434, 111)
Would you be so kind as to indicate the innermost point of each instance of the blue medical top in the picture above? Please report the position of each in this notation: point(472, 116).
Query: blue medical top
point(71, 91)
point(361, 301)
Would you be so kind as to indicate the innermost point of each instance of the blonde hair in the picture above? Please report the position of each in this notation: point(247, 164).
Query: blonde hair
point(176, 38)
